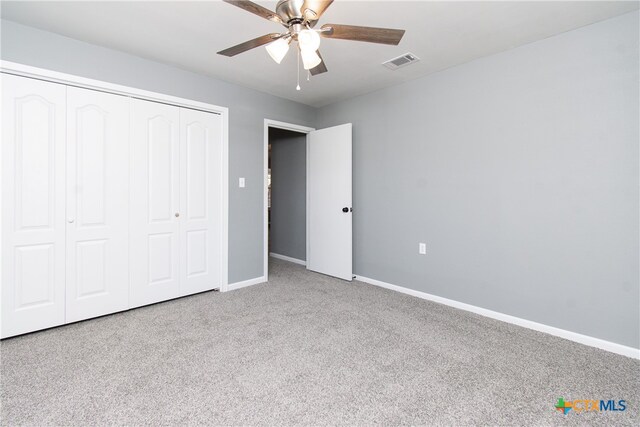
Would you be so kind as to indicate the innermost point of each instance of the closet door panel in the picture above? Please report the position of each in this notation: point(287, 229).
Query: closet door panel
point(155, 145)
point(200, 166)
point(97, 203)
point(33, 225)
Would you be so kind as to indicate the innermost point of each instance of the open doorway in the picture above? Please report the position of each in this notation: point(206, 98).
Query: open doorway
point(285, 192)
point(328, 236)
point(287, 177)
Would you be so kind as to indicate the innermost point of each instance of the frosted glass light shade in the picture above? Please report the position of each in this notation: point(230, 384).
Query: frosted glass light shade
point(310, 59)
point(278, 49)
point(309, 40)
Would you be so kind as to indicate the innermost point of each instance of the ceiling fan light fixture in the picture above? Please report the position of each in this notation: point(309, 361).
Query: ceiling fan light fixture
point(310, 59)
point(278, 49)
point(300, 17)
point(309, 40)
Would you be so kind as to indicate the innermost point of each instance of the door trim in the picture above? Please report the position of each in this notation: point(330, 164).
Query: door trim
point(23, 70)
point(268, 123)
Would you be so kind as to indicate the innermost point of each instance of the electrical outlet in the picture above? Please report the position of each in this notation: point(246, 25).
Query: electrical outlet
point(422, 248)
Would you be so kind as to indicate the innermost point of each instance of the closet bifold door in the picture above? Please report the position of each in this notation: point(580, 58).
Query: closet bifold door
point(154, 202)
point(33, 209)
point(97, 204)
point(200, 201)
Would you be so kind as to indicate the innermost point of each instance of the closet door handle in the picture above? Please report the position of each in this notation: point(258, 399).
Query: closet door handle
point(177, 214)
point(70, 220)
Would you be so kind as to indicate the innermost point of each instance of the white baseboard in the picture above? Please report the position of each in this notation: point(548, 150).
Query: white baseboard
point(250, 282)
point(562, 333)
point(288, 258)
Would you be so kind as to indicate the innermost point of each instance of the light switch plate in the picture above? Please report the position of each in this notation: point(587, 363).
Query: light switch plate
point(422, 248)
point(241, 182)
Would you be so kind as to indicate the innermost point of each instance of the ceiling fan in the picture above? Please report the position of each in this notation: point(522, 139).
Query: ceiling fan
point(299, 17)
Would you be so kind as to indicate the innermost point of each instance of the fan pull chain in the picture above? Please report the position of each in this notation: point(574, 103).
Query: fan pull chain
point(298, 87)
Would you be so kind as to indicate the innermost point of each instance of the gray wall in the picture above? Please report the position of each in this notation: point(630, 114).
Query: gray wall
point(519, 171)
point(247, 111)
point(288, 232)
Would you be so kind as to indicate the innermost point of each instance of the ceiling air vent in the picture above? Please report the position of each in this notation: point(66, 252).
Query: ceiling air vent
point(401, 61)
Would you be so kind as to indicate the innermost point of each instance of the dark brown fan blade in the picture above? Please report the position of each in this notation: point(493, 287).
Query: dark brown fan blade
point(248, 45)
point(320, 68)
point(312, 10)
point(250, 6)
point(362, 34)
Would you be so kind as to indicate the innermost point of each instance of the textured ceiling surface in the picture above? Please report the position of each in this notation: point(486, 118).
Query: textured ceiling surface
point(188, 34)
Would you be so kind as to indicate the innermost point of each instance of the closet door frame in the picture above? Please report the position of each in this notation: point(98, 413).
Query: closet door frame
point(72, 80)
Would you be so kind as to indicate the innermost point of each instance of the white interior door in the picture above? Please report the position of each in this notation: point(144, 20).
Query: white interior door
point(33, 194)
point(200, 201)
point(154, 218)
point(329, 202)
point(97, 203)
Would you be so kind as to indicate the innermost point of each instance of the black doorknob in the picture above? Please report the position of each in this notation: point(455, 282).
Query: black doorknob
point(345, 210)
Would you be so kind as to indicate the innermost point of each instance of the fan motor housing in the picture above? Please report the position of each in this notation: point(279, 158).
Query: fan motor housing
point(290, 12)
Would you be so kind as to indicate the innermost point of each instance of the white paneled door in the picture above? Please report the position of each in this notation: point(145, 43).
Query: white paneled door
point(329, 201)
point(155, 215)
point(33, 209)
point(200, 195)
point(176, 207)
point(109, 202)
point(97, 203)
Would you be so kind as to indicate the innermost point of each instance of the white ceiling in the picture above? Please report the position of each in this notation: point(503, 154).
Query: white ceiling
point(188, 34)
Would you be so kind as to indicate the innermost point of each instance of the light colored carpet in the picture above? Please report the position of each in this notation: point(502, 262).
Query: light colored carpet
point(305, 349)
